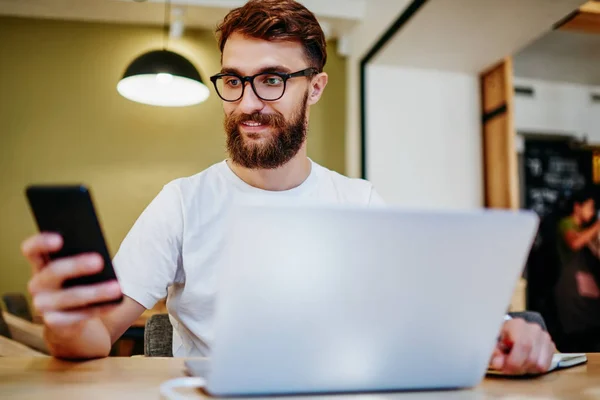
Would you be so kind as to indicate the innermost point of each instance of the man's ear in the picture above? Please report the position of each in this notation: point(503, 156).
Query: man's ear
point(318, 84)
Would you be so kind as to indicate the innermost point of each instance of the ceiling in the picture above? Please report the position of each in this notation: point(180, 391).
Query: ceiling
point(471, 35)
point(336, 16)
point(561, 56)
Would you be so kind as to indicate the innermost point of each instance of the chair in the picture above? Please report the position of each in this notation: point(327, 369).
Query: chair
point(158, 336)
point(4, 329)
point(25, 332)
point(16, 304)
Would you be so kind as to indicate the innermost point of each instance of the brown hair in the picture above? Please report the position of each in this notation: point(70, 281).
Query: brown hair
point(285, 20)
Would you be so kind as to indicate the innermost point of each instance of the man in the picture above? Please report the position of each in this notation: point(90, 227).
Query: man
point(577, 292)
point(573, 235)
point(273, 53)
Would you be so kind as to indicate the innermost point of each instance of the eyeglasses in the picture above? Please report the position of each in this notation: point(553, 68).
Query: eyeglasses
point(268, 86)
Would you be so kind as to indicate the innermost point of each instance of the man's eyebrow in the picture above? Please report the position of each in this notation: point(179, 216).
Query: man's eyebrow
point(274, 68)
point(230, 71)
point(268, 68)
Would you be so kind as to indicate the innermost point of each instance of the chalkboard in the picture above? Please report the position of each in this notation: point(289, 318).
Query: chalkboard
point(554, 170)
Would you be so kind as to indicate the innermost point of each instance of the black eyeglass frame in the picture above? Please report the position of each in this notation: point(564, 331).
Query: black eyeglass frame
point(285, 76)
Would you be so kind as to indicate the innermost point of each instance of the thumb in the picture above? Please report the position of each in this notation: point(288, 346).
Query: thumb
point(497, 360)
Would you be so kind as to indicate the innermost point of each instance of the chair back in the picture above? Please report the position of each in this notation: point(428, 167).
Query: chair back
point(158, 336)
point(16, 304)
point(4, 330)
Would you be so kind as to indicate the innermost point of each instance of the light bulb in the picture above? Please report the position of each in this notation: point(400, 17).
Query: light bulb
point(163, 78)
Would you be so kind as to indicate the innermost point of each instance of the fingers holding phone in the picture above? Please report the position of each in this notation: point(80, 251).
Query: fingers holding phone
point(62, 306)
point(54, 274)
point(37, 248)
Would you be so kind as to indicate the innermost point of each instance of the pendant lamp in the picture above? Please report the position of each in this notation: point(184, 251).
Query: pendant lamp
point(163, 78)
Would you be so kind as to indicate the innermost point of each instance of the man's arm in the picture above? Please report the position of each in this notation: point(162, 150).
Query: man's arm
point(93, 337)
point(578, 240)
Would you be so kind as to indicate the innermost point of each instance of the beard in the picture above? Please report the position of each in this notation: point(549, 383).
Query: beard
point(283, 144)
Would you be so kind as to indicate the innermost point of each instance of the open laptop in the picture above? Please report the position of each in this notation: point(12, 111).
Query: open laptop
point(342, 299)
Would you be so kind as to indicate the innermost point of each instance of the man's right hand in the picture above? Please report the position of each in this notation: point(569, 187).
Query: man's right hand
point(65, 309)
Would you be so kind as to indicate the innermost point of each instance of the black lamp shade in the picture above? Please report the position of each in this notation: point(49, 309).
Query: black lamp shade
point(162, 61)
point(163, 78)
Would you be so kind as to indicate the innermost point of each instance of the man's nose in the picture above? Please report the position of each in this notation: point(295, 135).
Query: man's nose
point(250, 102)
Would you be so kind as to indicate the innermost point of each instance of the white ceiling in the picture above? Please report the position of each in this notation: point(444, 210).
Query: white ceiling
point(336, 16)
point(561, 56)
point(471, 35)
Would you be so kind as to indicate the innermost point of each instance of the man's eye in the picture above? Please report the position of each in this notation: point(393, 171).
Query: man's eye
point(233, 82)
point(273, 80)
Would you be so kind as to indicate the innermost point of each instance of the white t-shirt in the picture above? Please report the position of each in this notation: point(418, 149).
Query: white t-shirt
point(174, 248)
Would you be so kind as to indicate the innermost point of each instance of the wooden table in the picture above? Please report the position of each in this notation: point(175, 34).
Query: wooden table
point(12, 348)
point(133, 378)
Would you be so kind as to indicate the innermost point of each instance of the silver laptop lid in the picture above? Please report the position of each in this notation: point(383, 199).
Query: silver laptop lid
point(334, 299)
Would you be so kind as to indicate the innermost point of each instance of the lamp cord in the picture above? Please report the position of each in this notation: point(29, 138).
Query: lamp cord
point(166, 24)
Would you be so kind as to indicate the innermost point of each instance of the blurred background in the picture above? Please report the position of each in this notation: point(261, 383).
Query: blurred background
point(442, 104)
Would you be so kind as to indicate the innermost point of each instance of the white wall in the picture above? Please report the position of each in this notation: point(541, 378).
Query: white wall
point(379, 15)
point(558, 107)
point(424, 137)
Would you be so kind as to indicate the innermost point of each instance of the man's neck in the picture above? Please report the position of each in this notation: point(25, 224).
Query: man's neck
point(576, 219)
point(288, 176)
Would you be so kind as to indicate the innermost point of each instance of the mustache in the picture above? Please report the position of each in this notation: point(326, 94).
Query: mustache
point(265, 119)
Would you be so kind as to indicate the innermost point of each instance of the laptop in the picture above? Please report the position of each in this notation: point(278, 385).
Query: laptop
point(323, 299)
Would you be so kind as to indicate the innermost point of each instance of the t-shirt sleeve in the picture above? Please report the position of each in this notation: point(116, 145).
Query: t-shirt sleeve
point(565, 225)
point(375, 200)
point(148, 258)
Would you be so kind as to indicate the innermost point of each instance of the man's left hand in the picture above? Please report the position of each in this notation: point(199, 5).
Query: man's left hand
point(523, 348)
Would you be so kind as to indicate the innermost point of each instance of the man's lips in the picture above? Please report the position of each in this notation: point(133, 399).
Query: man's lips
point(251, 126)
point(251, 123)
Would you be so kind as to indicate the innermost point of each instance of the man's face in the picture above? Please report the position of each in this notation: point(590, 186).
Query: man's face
point(586, 210)
point(267, 134)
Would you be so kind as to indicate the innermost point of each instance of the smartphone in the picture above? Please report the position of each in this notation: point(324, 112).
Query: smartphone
point(69, 211)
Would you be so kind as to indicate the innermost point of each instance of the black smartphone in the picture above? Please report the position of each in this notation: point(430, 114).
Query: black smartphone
point(69, 211)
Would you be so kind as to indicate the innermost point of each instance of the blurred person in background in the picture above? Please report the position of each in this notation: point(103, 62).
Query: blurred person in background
point(577, 290)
